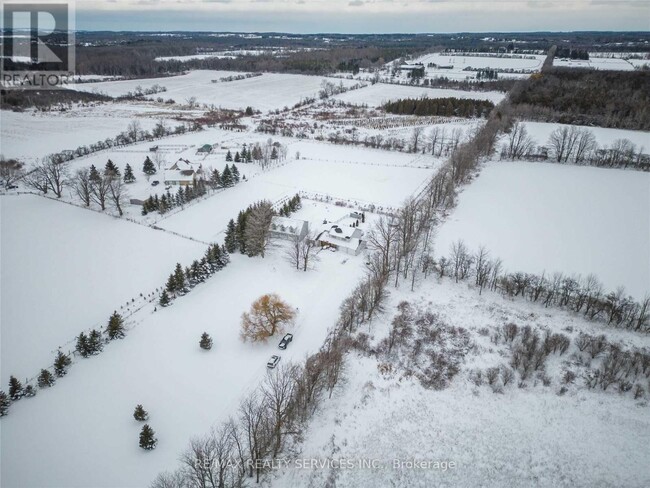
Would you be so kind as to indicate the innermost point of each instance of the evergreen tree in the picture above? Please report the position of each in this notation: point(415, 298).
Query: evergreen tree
point(129, 177)
point(16, 390)
point(179, 277)
point(94, 176)
point(230, 240)
point(82, 345)
point(45, 379)
point(4, 404)
point(229, 156)
point(171, 284)
point(180, 196)
point(148, 439)
point(110, 169)
point(237, 157)
point(164, 299)
point(30, 391)
point(115, 327)
point(235, 173)
point(95, 342)
point(140, 414)
point(215, 179)
point(249, 111)
point(148, 167)
point(274, 153)
point(226, 177)
point(206, 341)
point(241, 231)
point(61, 364)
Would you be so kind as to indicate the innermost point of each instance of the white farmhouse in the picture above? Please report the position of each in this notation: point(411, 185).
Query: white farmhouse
point(183, 173)
point(288, 229)
point(345, 238)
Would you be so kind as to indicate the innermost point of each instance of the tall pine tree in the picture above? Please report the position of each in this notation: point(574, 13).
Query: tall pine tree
point(115, 327)
point(148, 167)
point(61, 364)
point(129, 177)
point(148, 439)
point(16, 391)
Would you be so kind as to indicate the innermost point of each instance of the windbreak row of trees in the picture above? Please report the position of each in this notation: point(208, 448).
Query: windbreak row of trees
point(575, 293)
point(87, 344)
point(574, 145)
point(446, 107)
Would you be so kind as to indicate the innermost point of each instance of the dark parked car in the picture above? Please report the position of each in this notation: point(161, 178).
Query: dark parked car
point(155, 183)
point(273, 362)
point(285, 341)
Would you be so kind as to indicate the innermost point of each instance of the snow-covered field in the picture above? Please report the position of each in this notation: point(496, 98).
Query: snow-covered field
point(381, 185)
point(550, 217)
point(81, 432)
point(540, 132)
point(456, 65)
point(609, 64)
point(380, 93)
point(520, 437)
point(66, 269)
point(32, 135)
point(267, 92)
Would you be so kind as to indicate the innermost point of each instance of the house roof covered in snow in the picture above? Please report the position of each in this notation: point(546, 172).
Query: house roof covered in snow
point(182, 171)
point(287, 225)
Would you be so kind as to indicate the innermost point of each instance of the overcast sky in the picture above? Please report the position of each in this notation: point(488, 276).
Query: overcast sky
point(364, 16)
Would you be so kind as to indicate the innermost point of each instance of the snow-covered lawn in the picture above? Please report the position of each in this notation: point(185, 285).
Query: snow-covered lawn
point(380, 93)
point(81, 432)
point(521, 437)
point(540, 132)
point(267, 92)
point(66, 269)
point(550, 217)
point(385, 186)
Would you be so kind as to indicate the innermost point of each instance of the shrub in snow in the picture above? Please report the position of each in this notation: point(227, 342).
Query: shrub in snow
point(15, 388)
point(206, 341)
point(148, 439)
point(4, 403)
point(30, 391)
point(45, 379)
point(140, 414)
point(61, 364)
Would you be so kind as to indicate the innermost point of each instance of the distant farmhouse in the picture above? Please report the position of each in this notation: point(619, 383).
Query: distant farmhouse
point(288, 229)
point(413, 70)
point(183, 173)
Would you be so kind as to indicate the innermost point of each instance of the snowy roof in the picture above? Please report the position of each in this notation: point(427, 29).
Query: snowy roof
point(287, 225)
point(182, 170)
point(345, 232)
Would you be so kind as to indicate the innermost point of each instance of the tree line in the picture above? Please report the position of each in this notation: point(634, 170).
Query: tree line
point(574, 145)
point(87, 344)
point(445, 107)
point(617, 99)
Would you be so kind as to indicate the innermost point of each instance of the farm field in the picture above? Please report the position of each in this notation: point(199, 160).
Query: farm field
point(579, 439)
point(32, 135)
point(380, 93)
point(87, 416)
point(267, 92)
point(607, 64)
point(544, 217)
point(66, 269)
point(455, 65)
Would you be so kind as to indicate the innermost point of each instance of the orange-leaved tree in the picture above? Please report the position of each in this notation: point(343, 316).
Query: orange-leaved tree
point(268, 316)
